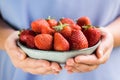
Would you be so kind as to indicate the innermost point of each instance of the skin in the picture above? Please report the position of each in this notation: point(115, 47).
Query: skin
point(19, 58)
point(86, 63)
point(81, 63)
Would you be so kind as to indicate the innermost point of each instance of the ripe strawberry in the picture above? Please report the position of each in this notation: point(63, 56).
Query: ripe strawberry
point(75, 27)
point(82, 21)
point(60, 43)
point(27, 38)
point(27, 32)
point(67, 21)
point(43, 41)
point(92, 34)
point(64, 29)
point(52, 22)
point(78, 40)
point(41, 26)
point(71, 23)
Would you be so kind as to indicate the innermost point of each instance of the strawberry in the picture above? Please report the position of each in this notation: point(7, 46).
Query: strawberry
point(27, 32)
point(67, 21)
point(27, 38)
point(43, 41)
point(41, 26)
point(52, 22)
point(60, 43)
point(71, 23)
point(78, 40)
point(76, 27)
point(64, 29)
point(92, 34)
point(82, 21)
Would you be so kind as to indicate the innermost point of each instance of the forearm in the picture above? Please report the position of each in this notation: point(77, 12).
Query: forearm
point(114, 28)
point(5, 31)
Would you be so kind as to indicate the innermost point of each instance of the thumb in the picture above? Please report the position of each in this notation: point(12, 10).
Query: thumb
point(21, 55)
point(11, 47)
point(99, 51)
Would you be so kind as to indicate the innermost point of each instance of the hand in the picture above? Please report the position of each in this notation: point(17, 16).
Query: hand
point(20, 60)
point(86, 63)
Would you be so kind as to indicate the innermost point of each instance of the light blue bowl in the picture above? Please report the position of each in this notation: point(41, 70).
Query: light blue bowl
point(56, 56)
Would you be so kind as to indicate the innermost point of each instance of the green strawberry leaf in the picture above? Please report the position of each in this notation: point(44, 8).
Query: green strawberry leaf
point(60, 26)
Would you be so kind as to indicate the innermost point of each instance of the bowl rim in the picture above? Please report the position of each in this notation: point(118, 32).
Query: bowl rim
point(21, 45)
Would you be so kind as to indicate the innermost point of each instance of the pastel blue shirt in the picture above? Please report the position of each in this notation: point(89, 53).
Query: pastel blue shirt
point(20, 13)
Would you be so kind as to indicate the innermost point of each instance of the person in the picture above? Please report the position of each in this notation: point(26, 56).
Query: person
point(18, 14)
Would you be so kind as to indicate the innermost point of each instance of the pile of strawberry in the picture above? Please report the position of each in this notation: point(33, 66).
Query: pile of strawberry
point(62, 35)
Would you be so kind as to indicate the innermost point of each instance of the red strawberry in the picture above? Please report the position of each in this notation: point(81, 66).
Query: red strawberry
point(71, 23)
point(27, 38)
point(82, 21)
point(52, 22)
point(92, 34)
point(27, 32)
point(60, 43)
point(64, 29)
point(78, 40)
point(43, 41)
point(67, 21)
point(75, 27)
point(41, 26)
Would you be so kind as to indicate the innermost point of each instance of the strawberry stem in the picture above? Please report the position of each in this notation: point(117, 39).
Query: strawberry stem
point(60, 26)
point(87, 27)
point(49, 17)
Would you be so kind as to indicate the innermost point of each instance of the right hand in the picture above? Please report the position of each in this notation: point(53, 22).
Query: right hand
point(20, 60)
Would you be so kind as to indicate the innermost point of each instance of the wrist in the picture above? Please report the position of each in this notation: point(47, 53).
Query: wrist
point(114, 34)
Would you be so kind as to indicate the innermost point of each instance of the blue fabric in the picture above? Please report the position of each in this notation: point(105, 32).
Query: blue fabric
point(20, 13)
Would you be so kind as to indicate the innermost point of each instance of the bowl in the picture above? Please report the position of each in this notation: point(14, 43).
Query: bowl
point(56, 56)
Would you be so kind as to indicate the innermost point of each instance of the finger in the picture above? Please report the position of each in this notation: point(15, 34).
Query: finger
point(83, 68)
point(21, 54)
point(70, 62)
point(105, 57)
point(40, 70)
point(69, 68)
point(106, 43)
point(33, 63)
point(69, 65)
point(87, 59)
point(92, 59)
point(55, 66)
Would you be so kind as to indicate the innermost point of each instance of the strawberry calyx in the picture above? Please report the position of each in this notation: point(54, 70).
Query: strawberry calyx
point(20, 31)
point(87, 27)
point(60, 26)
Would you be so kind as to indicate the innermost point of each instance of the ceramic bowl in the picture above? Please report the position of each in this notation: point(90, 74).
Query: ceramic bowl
point(56, 56)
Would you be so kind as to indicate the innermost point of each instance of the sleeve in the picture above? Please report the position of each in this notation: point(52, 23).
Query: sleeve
point(7, 22)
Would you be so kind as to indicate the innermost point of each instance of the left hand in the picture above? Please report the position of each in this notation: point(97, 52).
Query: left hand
point(86, 63)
